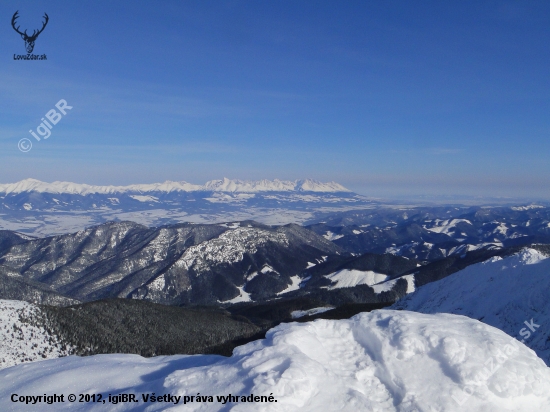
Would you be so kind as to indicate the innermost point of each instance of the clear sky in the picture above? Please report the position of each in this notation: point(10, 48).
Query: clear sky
point(392, 98)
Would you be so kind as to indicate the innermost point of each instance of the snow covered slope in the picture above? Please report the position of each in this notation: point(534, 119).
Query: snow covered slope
point(509, 293)
point(173, 264)
point(379, 361)
point(347, 278)
point(21, 342)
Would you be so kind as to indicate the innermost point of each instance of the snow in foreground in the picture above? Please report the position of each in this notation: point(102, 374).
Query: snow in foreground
point(379, 361)
point(502, 292)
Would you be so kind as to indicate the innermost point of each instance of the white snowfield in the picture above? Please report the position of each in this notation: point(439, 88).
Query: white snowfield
point(509, 293)
point(225, 185)
point(347, 278)
point(444, 226)
point(381, 361)
point(389, 284)
point(332, 236)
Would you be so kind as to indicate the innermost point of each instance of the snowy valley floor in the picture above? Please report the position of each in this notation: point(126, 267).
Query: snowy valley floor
point(384, 360)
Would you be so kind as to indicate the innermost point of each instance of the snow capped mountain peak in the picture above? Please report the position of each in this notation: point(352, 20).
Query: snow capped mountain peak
point(235, 185)
point(33, 185)
point(310, 185)
point(276, 185)
point(225, 185)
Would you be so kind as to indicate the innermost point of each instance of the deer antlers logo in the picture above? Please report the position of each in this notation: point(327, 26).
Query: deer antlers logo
point(29, 40)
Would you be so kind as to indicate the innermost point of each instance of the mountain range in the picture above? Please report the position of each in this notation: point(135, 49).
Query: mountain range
point(341, 260)
point(177, 264)
point(40, 208)
point(254, 277)
point(432, 233)
point(224, 185)
point(201, 282)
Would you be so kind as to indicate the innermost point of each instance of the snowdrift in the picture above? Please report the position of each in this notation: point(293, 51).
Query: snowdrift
point(384, 360)
point(508, 293)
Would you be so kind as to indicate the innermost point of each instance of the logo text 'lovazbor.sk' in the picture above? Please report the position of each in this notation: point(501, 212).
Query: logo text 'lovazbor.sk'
point(29, 40)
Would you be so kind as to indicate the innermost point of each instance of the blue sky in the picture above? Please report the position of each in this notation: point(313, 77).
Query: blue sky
point(389, 98)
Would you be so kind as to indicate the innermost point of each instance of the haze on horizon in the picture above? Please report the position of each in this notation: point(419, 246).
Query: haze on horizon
point(386, 98)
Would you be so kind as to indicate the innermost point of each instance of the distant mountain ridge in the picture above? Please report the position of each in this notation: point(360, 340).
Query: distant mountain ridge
point(433, 233)
point(224, 185)
point(39, 208)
